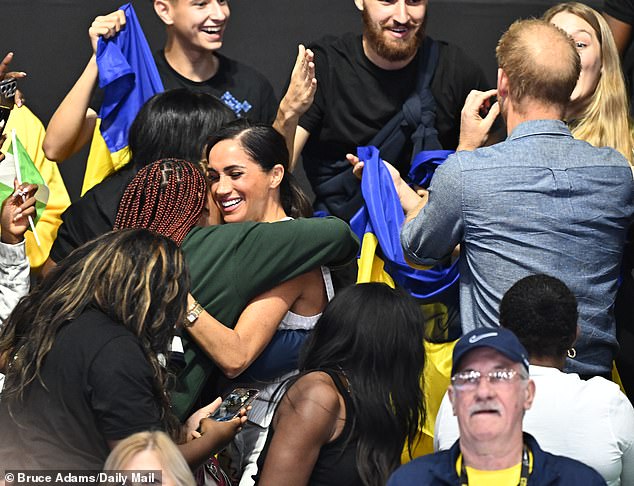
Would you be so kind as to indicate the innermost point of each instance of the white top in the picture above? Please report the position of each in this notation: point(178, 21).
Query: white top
point(263, 407)
point(14, 280)
point(591, 421)
point(14, 276)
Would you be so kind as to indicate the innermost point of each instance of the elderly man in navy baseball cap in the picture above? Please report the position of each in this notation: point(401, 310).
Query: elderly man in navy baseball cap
point(490, 391)
point(500, 339)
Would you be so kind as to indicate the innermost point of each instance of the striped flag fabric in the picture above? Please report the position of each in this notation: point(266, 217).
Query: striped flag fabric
point(129, 77)
point(378, 225)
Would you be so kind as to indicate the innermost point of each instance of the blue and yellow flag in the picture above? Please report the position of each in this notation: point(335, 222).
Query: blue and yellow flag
point(378, 225)
point(128, 77)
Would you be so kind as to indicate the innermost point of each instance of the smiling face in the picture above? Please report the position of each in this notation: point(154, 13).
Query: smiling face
point(242, 190)
point(392, 29)
point(196, 24)
point(589, 48)
point(491, 412)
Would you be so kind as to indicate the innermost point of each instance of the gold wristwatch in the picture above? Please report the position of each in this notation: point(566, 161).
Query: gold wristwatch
point(192, 314)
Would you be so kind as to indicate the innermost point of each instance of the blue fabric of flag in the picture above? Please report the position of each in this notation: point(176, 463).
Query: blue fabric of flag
point(128, 76)
point(424, 165)
point(383, 216)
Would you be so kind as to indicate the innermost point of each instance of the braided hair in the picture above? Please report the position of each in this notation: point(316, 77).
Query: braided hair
point(166, 197)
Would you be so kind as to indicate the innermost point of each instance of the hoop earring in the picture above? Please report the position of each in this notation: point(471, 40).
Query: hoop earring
point(572, 353)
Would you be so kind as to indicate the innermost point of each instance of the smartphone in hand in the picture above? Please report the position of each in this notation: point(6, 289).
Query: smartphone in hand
point(231, 405)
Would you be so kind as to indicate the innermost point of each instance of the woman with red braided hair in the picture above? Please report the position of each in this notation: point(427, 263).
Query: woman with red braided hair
point(247, 276)
point(150, 199)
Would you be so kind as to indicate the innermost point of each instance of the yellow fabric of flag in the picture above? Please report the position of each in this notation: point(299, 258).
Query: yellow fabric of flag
point(437, 372)
point(101, 162)
point(30, 131)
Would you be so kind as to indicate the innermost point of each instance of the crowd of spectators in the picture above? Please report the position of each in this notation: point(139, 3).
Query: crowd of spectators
point(202, 270)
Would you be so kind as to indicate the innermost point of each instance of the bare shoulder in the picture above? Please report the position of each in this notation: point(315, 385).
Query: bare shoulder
point(313, 297)
point(315, 389)
point(313, 399)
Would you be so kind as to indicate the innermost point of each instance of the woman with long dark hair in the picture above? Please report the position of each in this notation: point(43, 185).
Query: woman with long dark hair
point(84, 356)
point(172, 124)
point(344, 419)
point(246, 276)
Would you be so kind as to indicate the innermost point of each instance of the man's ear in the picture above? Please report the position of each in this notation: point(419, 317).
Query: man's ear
point(163, 9)
point(530, 394)
point(277, 174)
point(503, 84)
point(450, 393)
point(359, 4)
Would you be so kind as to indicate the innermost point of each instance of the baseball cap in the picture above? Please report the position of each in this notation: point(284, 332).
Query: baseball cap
point(500, 339)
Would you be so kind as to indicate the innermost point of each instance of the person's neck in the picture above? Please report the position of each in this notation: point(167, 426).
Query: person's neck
point(273, 214)
point(381, 62)
point(530, 112)
point(492, 455)
point(191, 64)
point(548, 362)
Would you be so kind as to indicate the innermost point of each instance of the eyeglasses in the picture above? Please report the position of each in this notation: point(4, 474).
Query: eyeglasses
point(469, 380)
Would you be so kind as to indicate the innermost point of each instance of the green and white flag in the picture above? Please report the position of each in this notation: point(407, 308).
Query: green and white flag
point(29, 174)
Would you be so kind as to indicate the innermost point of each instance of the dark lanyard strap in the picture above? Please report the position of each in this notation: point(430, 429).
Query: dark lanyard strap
point(464, 481)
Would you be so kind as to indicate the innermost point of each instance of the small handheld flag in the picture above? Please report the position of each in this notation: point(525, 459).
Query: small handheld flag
point(18, 165)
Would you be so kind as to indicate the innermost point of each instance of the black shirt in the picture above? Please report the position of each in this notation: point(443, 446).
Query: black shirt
point(243, 89)
point(99, 387)
point(92, 215)
point(355, 98)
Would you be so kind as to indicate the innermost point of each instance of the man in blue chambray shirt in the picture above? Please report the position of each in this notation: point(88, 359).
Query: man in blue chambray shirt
point(539, 202)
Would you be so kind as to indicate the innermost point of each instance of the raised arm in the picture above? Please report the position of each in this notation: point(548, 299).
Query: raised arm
point(233, 350)
point(73, 123)
point(476, 119)
point(298, 98)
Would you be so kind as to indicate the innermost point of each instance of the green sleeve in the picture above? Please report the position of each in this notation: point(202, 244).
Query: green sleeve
point(272, 253)
point(233, 263)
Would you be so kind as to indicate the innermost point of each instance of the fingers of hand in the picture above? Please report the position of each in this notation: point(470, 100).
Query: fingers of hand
point(28, 204)
point(476, 101)
point(4, 65)
point(213, 405)
point(24, 213)
point(109, 25)
point(494, 111)
point(19, 98)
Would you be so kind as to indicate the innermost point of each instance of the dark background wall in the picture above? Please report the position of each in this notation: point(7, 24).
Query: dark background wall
point(50, 40)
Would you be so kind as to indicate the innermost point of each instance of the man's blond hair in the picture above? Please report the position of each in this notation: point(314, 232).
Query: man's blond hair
point(540, 61)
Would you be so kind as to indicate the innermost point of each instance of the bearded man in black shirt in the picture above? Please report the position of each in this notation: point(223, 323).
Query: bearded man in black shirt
point(364, 82)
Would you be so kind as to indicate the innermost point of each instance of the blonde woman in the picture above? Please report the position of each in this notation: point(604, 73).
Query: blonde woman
point(151, 451)
point(598, 111)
